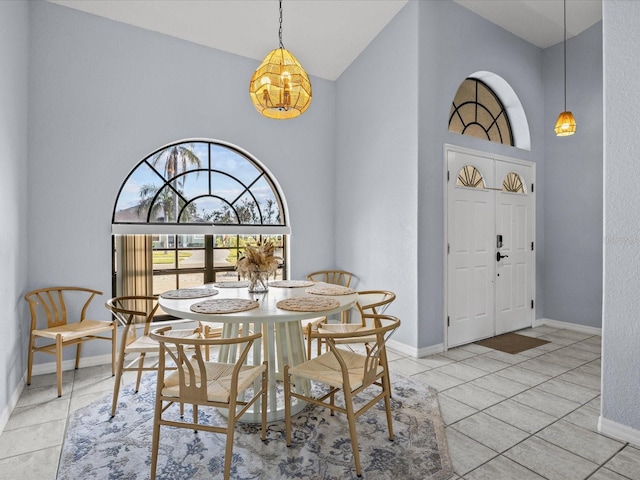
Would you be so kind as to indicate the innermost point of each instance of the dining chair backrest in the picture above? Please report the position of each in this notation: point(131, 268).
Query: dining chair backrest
point(382, 327)
point(52, 301)
point(336, 277)
point(188, 354)
point(373, 302)
point(131, 311)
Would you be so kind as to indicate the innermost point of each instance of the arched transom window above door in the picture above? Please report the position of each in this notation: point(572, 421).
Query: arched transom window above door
point(477, 111)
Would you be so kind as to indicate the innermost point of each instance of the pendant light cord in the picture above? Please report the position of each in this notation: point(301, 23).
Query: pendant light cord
point(280, 31)
point(565, 52)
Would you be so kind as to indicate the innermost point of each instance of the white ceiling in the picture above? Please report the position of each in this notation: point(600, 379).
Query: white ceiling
point(325, 35)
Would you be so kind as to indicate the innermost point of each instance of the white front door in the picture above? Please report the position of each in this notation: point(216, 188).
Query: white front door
point(471, 268)
point(490, 258)
point(515, 267)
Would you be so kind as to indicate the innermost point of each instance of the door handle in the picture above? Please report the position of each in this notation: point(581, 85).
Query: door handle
point(499, 256)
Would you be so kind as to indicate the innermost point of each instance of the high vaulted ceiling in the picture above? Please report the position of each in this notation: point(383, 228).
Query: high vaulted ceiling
point(325, 35)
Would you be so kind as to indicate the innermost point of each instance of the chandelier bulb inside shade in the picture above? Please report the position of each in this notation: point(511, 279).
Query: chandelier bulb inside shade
point(565, 125)
point(280, 88)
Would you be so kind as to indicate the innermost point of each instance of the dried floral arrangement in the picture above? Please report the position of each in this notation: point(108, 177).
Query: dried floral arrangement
point(259, 258)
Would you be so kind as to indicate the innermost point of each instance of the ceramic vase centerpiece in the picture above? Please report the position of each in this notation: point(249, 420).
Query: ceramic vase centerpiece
point(257, 264)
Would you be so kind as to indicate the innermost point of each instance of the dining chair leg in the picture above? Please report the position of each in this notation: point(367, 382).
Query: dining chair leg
point(287, 405)
point(386, 385)
point(78, 350)
point(332, 401)
point(155, 441)
point(116, 392)
point(195, 416)
point(351, 417)
point(114, 348)
point(59, 363)
point(32, 342)
point(140, 367)
point(265, 381)
point(228, 451)
point(309, 343)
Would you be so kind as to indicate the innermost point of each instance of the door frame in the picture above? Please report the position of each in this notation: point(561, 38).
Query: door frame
point(469, 151)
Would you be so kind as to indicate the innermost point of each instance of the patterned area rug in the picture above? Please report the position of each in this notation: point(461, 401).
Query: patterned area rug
point(98, 447)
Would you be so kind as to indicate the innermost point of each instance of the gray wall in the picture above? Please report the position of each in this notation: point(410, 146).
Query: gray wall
point(105, 94)
point(621, 301)
point(455, 43)
point(572, 273)
point(14, 54)
point(376, 168)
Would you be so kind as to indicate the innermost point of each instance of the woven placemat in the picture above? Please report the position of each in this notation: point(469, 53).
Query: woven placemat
point(308, 304)
point(327, 289)
point(224, 305)
point(291, 283)
point(238, 284)
point(189, 293)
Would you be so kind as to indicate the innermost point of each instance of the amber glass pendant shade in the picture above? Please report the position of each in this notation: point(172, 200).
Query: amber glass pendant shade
point(280, 88)
point(566, 124)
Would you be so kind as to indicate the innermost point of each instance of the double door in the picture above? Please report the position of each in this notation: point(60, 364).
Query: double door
point(490, 249)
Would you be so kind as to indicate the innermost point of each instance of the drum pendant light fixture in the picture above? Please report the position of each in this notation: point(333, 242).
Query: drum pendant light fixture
point(566, 124)
point(280, 88)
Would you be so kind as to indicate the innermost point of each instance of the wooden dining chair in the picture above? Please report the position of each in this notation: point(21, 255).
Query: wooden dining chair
point(206, 384)
point(135, 314)
point(64, 329)
point(370, 302)
point(345, 371)
point(310, 326)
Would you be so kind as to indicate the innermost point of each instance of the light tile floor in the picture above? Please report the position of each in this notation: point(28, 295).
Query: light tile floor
point(528, 416)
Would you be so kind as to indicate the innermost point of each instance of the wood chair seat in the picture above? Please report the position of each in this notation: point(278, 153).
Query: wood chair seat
point(219, 377)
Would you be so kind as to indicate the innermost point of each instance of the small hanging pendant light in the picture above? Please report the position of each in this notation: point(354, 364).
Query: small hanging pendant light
point(280, 88)
point(566, 124)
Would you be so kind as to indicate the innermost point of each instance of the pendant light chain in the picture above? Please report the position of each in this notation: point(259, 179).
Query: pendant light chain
point(280, 31)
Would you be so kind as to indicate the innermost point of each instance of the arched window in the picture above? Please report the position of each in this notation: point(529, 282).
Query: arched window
point(185, 213)
point(477, 111)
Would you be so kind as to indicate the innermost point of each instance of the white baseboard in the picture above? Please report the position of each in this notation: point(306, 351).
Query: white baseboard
point(13, 401)
point(415, 352)
point(568, 326)
point(50, 367)
point(619, 431)
point(430, 350)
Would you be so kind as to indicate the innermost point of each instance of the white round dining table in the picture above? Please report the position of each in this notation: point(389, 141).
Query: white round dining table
point(282, 336)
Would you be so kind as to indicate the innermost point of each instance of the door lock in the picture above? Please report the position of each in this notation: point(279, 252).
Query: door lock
point(500, 256)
